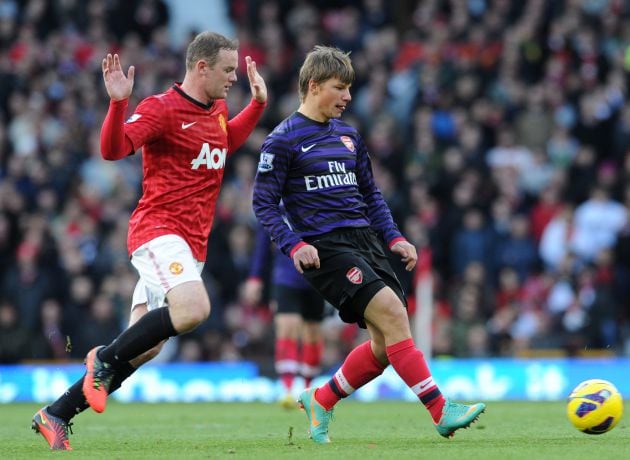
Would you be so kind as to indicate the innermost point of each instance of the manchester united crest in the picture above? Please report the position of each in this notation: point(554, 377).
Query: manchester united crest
point(222, 123)
point(176, 268)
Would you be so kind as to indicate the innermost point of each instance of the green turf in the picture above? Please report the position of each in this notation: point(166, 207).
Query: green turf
point(384, 430)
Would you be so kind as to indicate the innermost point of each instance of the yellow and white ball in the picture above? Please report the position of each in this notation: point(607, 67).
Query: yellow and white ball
point(595, 406)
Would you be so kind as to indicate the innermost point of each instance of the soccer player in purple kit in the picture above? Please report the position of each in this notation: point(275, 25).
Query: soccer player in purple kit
point(298, 313)
point(334, 231)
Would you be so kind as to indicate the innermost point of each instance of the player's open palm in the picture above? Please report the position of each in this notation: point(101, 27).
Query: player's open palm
point(256, 81)
point(118, 85)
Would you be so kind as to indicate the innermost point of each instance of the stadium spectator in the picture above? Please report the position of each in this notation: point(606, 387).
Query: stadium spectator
point(596, 224)
point(100, 324)
point(15, 340)
point(29, 284)
point(547, 206)
point(472, 243)
point(517, 251)
point(468, 318)
point(49, 342)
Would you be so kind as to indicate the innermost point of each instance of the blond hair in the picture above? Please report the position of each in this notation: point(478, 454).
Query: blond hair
point(324, 63)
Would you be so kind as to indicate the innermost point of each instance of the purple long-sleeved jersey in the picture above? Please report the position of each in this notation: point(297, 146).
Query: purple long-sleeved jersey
point(322, 173)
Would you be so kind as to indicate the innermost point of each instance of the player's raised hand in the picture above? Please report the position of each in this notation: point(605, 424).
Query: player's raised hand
point(118, 85)
point(408, 253)
point(306, 257)
point(256, 81)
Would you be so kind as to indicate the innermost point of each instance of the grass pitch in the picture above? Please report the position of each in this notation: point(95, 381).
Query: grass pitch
point(383, 430)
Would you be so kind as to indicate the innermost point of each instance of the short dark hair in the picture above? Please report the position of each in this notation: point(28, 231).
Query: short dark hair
point(324, 63)
point(207, 45)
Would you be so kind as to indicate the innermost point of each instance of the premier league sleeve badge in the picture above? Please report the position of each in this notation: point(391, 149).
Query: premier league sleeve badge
point(266, 162)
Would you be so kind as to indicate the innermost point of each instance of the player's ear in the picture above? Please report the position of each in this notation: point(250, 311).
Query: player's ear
point(202, 66)
point(313, 87)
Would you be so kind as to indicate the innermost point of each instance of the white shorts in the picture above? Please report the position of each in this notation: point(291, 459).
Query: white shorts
point(162, 263)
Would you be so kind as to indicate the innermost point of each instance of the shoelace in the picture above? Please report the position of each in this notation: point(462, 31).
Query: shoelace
point(456, 409)
point(331, 416)
point(67, 428)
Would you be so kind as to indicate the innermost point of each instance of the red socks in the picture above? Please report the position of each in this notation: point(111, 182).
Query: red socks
point(286, 361)
point(359, 368)
point(311, 360)
point(409, 364)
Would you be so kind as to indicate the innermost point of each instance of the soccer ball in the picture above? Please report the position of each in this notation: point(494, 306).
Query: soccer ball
point(595, 406)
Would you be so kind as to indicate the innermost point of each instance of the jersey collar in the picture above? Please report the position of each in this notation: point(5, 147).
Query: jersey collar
point(323, 124)
point(179, 90)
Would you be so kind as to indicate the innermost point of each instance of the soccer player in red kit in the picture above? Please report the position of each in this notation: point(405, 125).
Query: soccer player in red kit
point(186, 138)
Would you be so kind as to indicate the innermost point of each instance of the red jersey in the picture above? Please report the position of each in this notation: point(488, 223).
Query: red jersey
point(185, 145)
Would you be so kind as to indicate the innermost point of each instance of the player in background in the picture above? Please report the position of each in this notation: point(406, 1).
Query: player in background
point(338, 224)
point(298, 313)
point(186, 137)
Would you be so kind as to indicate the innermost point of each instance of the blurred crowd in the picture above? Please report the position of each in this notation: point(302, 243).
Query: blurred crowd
point(499, 134)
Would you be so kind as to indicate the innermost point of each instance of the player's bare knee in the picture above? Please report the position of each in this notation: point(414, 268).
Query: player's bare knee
point(194, 316)
point(392, 314)
point(189, 305)
point(202, 313)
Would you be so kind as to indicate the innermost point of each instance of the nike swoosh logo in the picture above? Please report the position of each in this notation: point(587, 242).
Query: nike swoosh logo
point(306, 149)
point(187, 125)
point(313, 416)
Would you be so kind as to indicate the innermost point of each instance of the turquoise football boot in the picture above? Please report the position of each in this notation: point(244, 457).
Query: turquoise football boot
point(456, 416)
point(318, 417)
